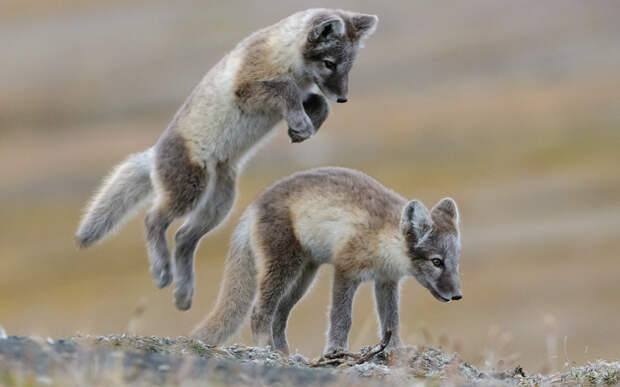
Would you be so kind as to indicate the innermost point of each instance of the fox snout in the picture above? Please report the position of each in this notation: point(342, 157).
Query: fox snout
point(456, 297)
point(446, 292)
point(454, 294)
point(334, 87)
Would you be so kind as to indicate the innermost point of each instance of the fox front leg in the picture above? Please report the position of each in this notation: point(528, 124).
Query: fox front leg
point(343, 292)
point(386, 298)
point(317, 108)
point(289, 98)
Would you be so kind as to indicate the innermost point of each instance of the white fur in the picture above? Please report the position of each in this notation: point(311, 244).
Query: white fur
point(215, 128)
point(394, 261)
point(324, 230)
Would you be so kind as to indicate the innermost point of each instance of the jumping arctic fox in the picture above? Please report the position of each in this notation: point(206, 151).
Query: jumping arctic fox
point(337, 216)
point(192, 169)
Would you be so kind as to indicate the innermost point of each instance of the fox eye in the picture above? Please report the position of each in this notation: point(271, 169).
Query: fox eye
point(329, 64)
point(437, 262)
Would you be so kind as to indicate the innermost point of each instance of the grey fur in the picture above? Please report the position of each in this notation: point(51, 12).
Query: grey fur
point(441, 241)
point(327, 28)
point(328, 44)
point(288, 97)
point(386, 299)
point(331, 49)
point(267, 77)
point(277, 282)
point(416, 221)
point(128, 186)
point(383, 238)
point(156, 223)
point(343, 293)
point(317, 108)
point(299, 289)
point(208, 215)
point(237, 291)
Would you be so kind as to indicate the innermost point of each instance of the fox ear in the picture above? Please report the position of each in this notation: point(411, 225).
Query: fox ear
point(325, 29)
point(415, 220)
point(446, 209)
point(364, 25)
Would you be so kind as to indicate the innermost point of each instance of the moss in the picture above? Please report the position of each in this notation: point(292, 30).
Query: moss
point(199, 349)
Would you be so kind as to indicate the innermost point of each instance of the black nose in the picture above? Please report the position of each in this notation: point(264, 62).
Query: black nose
point(456, 298)
point(341, 100)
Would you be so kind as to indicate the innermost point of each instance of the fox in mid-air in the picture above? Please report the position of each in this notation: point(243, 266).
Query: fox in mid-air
point(341, 217)
point(192, 170)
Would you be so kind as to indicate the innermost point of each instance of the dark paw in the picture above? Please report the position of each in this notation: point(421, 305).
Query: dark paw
point(300, 127)
point(298, 137)
point(183, 296)
point(162, 276)
point(335, 354)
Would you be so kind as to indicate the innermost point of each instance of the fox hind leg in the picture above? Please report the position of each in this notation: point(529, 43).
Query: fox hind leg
point(282, 261)
point(271, 290)
point(211, 211)
point(179, 183)
point(288, 302)
point(157, 221)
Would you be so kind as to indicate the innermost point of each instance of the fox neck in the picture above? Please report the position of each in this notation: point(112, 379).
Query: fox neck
point(391, 251)
point(286, 45)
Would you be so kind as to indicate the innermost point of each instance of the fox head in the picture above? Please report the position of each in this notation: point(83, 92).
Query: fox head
point(433, 244)
point(331, 47)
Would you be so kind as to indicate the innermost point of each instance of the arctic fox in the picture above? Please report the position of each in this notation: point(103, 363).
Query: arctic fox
point(341, 217)
point(192, 170)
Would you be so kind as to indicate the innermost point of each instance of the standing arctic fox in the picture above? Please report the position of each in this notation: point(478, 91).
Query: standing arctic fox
point(193, 167)
point(337, 216)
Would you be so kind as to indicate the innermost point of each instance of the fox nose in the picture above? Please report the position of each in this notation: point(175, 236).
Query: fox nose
point(457, 297)
point(341, 100)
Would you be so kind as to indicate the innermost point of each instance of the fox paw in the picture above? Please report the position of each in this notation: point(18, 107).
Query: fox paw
point(183, 296)
point(300, 127)
point(162, 276)
point(335, 353)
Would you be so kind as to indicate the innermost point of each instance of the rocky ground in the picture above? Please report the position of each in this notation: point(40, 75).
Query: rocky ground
point(121, 360)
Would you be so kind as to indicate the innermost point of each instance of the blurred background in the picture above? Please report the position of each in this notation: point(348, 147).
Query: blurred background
point(512, 108)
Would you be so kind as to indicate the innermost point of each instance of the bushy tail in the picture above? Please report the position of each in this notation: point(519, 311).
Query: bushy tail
point(119, 197)
point(236, 292)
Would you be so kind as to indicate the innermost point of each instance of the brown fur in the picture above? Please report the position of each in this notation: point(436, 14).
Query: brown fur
point(192, 169)
point(183, 179)
point(348, 219)
point(256, 67)
point(341, 184)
